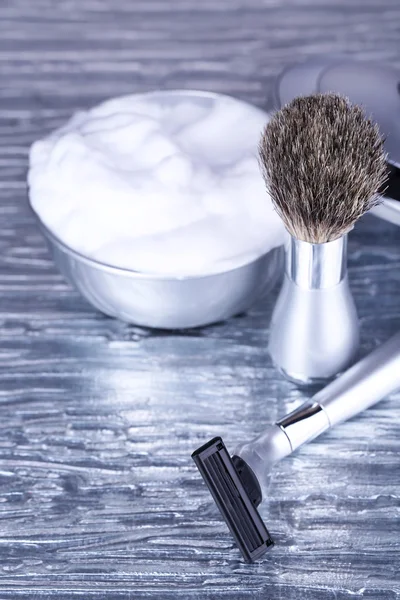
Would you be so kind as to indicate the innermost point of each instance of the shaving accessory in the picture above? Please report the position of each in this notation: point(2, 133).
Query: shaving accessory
point(180, 234)
point(323, 163)
point(239, 483)
point(375, 86)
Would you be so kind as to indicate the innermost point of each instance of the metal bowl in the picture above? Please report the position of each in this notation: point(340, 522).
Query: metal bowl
point(165, 301)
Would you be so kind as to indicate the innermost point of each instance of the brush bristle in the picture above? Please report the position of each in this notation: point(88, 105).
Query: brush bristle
point(323, 163)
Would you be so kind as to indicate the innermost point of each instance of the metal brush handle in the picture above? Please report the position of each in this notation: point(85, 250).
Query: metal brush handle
point(361, 386)
point(314, 333)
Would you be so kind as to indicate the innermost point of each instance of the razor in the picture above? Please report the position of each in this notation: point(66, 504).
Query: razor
point(237, 482)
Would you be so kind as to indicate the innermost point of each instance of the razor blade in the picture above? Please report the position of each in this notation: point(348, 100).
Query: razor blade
point(237, 494)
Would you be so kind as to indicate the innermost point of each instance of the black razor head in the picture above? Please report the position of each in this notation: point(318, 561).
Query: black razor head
point(237, 493)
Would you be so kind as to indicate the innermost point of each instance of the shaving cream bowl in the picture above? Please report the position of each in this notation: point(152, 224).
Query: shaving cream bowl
point(157, 222)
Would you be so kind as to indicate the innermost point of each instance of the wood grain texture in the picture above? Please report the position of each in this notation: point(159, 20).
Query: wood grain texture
point(98, 495)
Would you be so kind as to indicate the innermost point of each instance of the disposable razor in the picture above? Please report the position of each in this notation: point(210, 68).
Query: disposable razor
point(237, 483)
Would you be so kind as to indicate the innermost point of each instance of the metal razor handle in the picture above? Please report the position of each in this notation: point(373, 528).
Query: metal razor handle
point(314, 332)
point(360, 387)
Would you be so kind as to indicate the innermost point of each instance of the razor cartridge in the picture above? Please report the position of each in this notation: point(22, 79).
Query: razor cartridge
point(237, 494)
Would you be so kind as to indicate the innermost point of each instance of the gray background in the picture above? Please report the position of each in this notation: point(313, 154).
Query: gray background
point(98, 495)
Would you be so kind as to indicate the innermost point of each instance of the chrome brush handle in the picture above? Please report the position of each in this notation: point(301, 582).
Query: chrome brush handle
point(314, 333)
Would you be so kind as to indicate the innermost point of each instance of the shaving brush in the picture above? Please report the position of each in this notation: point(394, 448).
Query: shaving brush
point(323, 163)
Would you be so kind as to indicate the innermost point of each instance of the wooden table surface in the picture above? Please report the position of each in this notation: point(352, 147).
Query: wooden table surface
point(98, 495)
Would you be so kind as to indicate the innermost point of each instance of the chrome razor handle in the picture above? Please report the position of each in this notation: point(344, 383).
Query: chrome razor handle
point(314, 332)
point(364, 384)
point(360, 387)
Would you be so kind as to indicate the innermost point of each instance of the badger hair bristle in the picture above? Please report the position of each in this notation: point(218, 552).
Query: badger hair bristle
point(323, 163)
